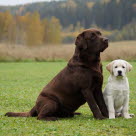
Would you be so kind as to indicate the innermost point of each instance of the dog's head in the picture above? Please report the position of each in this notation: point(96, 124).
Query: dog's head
point(92, 41)
point(119, 68)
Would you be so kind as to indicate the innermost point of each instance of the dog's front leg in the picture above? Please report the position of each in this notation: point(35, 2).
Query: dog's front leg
point(110, 105)
point(125, 113)
point(87, 93)
point(100, 101)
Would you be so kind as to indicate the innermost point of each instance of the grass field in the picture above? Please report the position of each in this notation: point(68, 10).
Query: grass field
point(20, 84)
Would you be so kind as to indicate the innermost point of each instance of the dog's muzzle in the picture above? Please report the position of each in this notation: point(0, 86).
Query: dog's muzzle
point(119, 73)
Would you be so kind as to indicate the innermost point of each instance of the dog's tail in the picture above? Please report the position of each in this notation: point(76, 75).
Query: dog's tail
point(32, 113)
point(17, 114)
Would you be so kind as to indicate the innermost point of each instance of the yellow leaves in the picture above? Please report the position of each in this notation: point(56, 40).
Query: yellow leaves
point(105, 1)
point(63, 5)
point(34, 31)
point(29, 29)
point(134, 6)
point(71, 4)
point(52, 31)
point(6, 24)
point(89, 4)
point(117, 1)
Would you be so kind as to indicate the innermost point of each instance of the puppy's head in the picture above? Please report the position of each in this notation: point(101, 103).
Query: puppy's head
point(119, 68)
point(92, 41)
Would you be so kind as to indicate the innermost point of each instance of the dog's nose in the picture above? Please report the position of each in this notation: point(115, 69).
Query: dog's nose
point(105, 40)
point(119, 72)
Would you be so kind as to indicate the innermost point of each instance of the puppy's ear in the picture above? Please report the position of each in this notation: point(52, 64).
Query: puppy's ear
point(129, 66)
point(80, 41)
point(109, 66)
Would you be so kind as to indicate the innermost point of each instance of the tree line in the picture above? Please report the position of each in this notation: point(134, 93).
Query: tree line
point(107, 14)
point(29, 29)
point(61, 21)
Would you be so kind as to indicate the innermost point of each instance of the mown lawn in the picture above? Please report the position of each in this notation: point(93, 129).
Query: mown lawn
point(20, 84)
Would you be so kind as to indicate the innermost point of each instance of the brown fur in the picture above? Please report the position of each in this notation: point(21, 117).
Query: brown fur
point(79, 82)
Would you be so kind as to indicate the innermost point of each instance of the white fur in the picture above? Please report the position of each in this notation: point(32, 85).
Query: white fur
point(116, 93)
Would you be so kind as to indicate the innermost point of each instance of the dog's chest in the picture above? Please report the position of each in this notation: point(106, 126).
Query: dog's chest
point(119, 92)
point(120, 88)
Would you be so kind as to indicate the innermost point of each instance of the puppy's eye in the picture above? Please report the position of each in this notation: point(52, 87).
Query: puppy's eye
point(116, 66)
point(123, 67)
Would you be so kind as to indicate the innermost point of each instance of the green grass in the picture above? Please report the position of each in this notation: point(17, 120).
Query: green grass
point(20, 84)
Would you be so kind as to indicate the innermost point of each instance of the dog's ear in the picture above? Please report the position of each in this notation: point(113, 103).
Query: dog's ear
point(80, 41)
point(109, 66)
point(129, 66)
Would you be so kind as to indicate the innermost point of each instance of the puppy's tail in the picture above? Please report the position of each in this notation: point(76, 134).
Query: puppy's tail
point(32, 113)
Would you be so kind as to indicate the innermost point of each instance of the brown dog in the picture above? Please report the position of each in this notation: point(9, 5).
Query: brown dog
point(79, 82)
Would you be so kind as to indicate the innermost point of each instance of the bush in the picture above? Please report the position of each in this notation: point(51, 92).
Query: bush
point(127, 33)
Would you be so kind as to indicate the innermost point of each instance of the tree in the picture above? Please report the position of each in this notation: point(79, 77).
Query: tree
point(6, 27)
point(21, 27)
point(52, 31)
point(34, 30)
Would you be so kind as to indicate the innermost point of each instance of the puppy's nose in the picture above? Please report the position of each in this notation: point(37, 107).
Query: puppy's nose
point(105, 39)
point(119, 72)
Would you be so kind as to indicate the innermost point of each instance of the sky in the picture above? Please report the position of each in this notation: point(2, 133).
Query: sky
point(17, 2)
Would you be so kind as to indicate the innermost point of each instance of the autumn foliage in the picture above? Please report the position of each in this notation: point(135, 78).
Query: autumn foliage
point(29, 29)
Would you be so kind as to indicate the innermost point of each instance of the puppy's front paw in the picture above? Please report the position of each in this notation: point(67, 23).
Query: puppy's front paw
point(111, 116)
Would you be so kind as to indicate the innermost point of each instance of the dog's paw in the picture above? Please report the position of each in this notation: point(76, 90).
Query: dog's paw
point(100, 117)
point(132, 115)
point(51, 118)
point(47, 118)
point(106, 113)
point(118, 114)
point(127, 117)
point(77, 113)
point(111, 115)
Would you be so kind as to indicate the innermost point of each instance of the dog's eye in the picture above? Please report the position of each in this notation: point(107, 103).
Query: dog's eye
point(99, 33)
point(93, 36)
point(123, 67)
point(116, 66)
